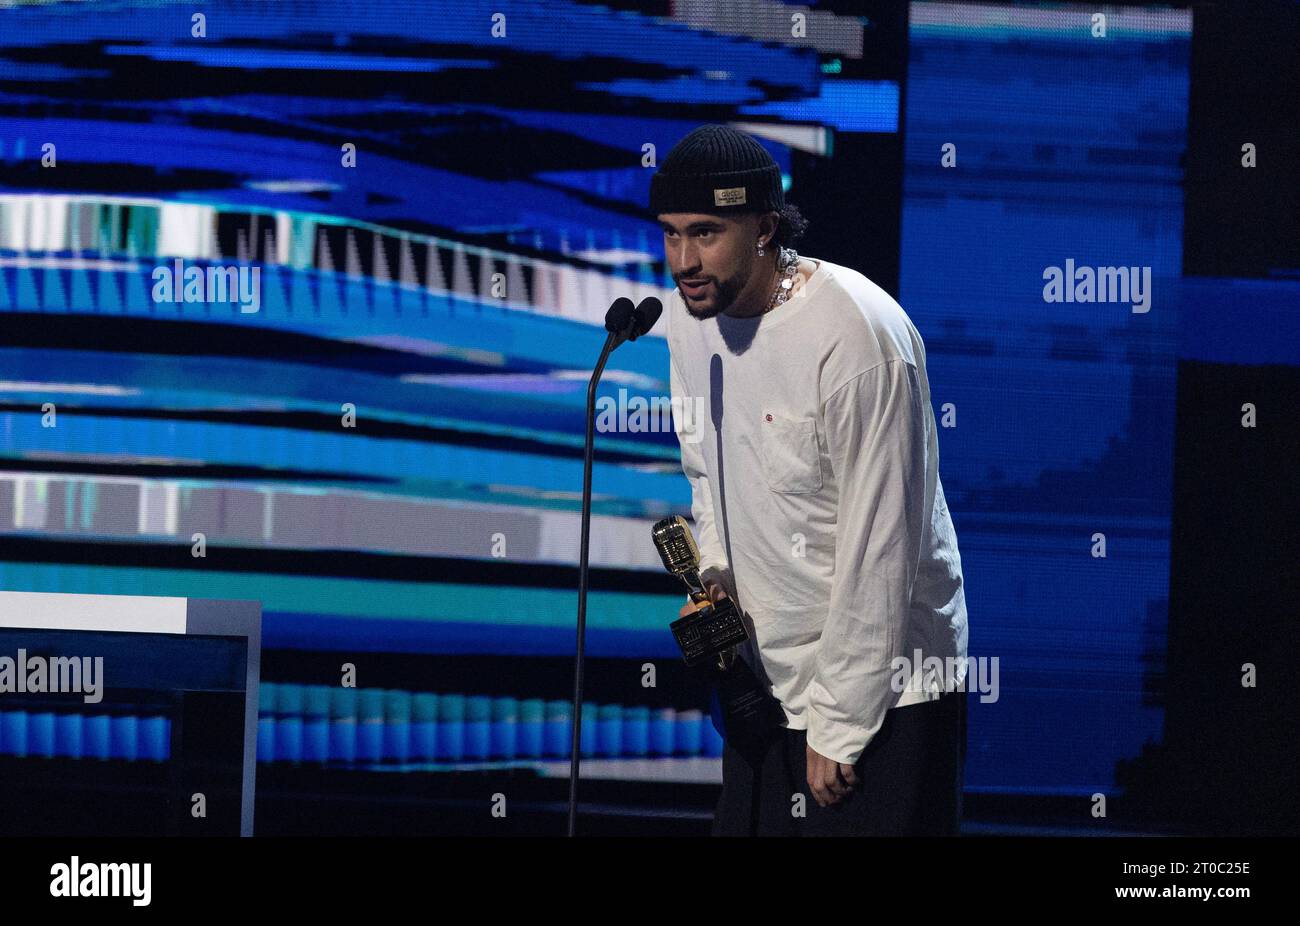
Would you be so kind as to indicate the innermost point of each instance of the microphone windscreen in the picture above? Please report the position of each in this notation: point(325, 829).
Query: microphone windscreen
point(647, 313)
point(620, 314)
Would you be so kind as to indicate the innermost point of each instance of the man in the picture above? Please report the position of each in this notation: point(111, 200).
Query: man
point(818, 508)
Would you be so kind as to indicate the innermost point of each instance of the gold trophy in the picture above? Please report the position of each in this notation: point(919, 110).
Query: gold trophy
point(714, 630)
point(746, 713)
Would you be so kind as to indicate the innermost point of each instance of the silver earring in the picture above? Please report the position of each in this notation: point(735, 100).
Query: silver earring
point(761, 252)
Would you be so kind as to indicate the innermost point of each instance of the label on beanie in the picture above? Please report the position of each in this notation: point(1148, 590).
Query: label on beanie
point(732, 197)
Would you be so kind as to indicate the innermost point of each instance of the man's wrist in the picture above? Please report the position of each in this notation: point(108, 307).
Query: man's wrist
point(833, 739)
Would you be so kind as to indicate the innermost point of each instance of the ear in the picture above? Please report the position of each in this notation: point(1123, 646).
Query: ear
point(767, 224)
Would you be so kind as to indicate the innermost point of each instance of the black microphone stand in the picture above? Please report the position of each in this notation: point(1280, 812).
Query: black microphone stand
point(612, 340)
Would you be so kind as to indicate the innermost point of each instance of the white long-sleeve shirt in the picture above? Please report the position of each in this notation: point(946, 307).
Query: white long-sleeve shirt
point(817, 501)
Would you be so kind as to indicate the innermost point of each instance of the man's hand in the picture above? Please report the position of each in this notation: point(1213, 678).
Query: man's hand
point(716, 593)
point(830, 781)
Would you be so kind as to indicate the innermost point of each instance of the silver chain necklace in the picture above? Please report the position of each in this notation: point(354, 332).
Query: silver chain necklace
point(787, 263)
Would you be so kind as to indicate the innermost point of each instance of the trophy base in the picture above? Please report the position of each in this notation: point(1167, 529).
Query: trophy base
point(744, 712)
point(709, 631)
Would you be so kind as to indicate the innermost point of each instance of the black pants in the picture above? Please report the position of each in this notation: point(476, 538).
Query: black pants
point(910, 781)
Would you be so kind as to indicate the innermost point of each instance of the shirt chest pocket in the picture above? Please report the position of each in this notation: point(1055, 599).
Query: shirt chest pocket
point(790, 455)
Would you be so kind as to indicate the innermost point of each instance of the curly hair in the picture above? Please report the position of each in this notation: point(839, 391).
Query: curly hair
point(790, 227)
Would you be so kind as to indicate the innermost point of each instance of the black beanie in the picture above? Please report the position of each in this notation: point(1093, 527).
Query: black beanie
point(717, 169)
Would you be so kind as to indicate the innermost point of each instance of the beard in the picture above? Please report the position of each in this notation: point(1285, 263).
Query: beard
point(724, 297)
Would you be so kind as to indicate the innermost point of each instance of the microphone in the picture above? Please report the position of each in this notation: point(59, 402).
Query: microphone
point(680, 555)
point(621, 318)
point(647, 314)
point(626, 322)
